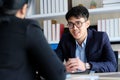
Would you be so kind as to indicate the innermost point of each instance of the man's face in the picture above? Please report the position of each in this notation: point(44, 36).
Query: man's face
point(78, 27)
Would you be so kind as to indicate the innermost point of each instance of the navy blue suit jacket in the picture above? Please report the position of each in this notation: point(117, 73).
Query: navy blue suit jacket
point(98, 51)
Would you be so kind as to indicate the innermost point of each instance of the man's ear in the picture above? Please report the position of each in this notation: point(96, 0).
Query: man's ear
point(24, 9)
point(22, 12)
point(87, 23)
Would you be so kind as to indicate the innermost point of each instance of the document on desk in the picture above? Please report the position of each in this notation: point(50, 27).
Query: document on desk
point(95, 76)
point(112, 76)
point(81, 77)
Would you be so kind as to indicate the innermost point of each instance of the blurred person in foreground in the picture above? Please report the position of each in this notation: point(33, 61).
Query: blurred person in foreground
point(23, 47)
point(85, 49)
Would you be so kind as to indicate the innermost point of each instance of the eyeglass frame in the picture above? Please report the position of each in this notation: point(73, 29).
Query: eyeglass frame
point(78, 25)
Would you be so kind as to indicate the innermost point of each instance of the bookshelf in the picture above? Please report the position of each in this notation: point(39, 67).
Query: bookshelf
point(46, 11)
point(96, 11)
point(106, 10)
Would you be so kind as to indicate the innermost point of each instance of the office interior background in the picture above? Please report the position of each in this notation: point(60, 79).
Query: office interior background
point(101, 11)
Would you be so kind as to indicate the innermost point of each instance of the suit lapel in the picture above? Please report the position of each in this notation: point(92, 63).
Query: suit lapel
point(88, 44)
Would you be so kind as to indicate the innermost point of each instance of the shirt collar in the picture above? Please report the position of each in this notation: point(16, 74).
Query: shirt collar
point(83, 44)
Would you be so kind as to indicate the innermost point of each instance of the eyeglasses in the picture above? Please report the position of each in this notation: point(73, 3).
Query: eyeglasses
point(78, 24)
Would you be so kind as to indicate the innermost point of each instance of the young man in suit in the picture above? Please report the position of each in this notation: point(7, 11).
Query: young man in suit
point(84, 48)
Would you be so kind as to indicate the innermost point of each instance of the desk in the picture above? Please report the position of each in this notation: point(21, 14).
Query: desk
point(95, 76)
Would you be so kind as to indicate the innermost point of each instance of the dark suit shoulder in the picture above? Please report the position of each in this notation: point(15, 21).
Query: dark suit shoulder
point(32, 22)
point(97, 35)
point(67, 36)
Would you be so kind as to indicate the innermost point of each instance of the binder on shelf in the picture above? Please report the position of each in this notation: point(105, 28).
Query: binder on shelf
point(57, 32)
point(112, 28)
point(103, 25)
point(49, 31)
point(53, 6)
point(31, 8)
point(99, 25)
point(61, 5)
point(45, 6)
point(53, 32)
point(37, 6)
point(116, 26)
point(49, 9)
point(57, 8)
point(65, 5)
point(119, 27)
point(45, 28)
point(41, 7)
point(108, 27)
point(61, 30)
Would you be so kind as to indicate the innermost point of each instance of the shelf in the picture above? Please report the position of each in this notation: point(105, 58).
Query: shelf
point(53, 42)
point(115, 39)
point(104, 10)
point(91, 11)
point(47, 16)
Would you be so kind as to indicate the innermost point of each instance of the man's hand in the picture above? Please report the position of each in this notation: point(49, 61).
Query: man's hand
point(75, 64)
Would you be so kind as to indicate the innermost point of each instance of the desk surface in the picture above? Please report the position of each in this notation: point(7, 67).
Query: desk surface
point(95, 76)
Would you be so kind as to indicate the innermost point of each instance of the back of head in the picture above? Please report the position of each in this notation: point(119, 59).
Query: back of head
point(78, 11)
point(10, 7)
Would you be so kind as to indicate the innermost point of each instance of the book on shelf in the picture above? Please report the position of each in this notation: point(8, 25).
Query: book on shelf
point(99, 27)
point(41, 7)
point(116, 27)
point(57, 32)
point(57, 8)
point(61, 30)
point(53, 6)
point(49, 31)
point(49, 9)
point(103, 25)
point(45, 7)
point(45, 28)
point(65, 5)
point(37, 6)
point(31, 8)
point(53, 30)
point(107, 27)
point(61, 5)
point(119, 26)
point(111, 27)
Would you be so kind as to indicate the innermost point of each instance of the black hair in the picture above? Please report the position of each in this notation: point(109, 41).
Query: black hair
point(10, 7)
point(77, 11)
